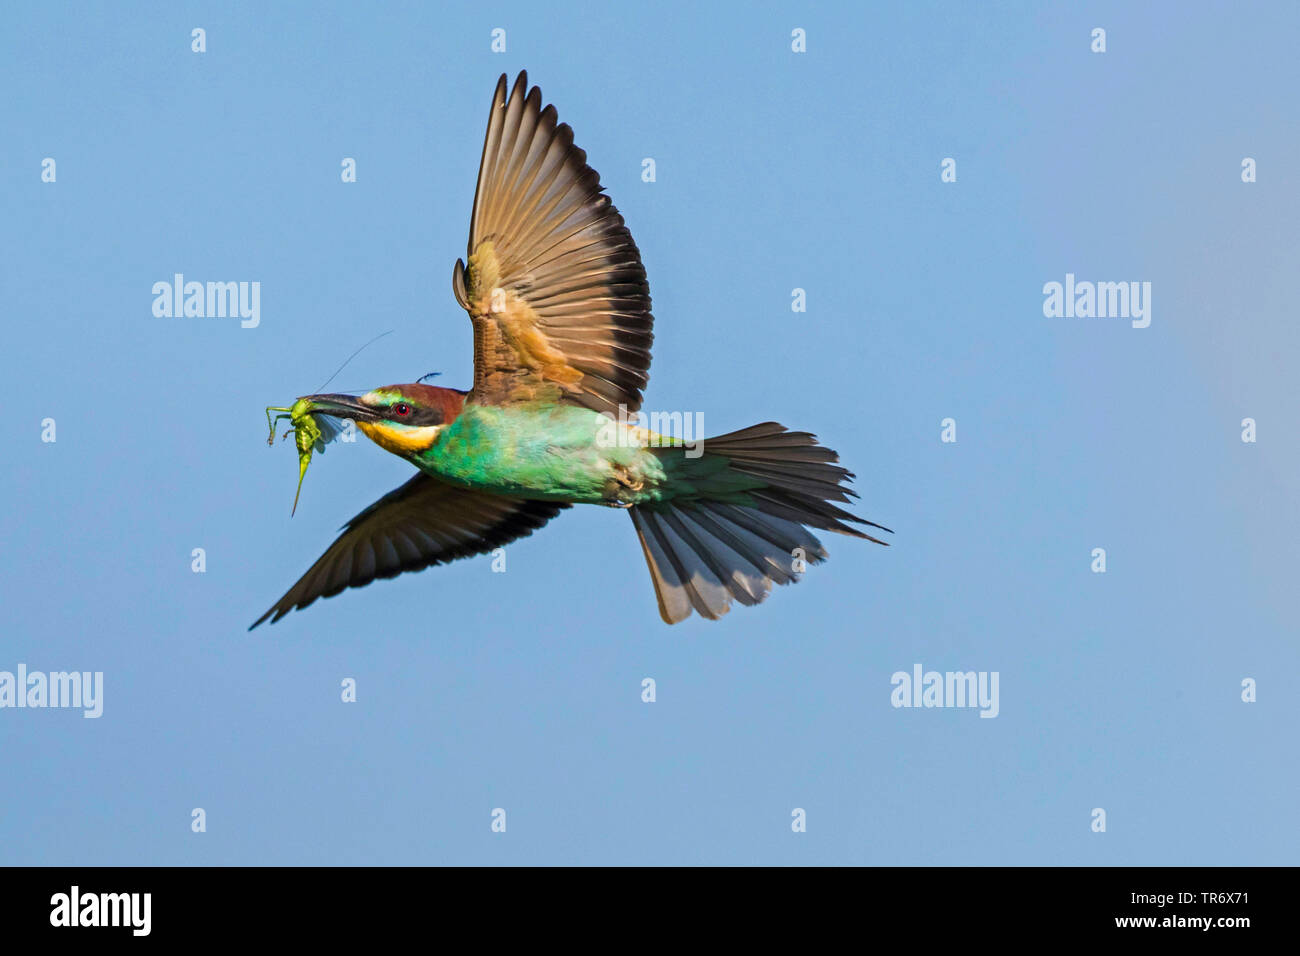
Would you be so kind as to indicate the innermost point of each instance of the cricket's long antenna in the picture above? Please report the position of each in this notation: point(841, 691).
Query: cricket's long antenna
point(351, 357)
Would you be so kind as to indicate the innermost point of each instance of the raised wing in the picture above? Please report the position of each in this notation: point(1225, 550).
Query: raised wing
point(554, 285)
point(423, 522)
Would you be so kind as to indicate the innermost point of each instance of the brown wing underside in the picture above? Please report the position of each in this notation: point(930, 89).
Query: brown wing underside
point(424, 522)
point(554, 284)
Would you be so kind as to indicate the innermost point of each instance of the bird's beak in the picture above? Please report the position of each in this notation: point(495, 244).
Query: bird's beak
point(340, 406)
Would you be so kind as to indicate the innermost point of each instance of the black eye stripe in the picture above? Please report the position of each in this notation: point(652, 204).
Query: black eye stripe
point(415, 414)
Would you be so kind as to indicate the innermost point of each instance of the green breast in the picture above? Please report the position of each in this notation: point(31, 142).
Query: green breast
point(552, 452)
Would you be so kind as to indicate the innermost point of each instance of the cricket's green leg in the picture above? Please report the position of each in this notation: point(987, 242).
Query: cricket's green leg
point(271, 424)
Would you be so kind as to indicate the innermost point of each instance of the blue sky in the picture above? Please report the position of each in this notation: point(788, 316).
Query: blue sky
point(774, 171)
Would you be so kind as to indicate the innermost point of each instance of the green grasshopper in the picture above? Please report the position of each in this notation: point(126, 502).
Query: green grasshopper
point(310, 435)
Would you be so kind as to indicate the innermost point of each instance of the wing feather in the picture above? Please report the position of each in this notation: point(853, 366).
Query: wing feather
point(554, 283)
point(424, 522)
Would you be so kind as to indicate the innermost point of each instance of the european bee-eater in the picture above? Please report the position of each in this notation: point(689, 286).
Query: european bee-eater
point(558, 299)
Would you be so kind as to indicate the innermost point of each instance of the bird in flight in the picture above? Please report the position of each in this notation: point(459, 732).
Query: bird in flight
point(560, 307)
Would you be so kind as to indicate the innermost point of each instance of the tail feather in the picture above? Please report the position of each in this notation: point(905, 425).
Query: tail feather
point(743, 554)
point(797, 479)
point(682, 579)
point(739, 529)
point(762, 534)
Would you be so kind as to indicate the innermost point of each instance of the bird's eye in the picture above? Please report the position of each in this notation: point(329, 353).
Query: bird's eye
point(401, 409)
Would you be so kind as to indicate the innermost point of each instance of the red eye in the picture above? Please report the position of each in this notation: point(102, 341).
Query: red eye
point(401, 409)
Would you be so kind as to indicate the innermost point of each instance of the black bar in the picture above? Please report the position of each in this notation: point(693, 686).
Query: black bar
point(372, 904)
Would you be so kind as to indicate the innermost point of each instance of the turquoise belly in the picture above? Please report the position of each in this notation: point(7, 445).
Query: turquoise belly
point(551, 452)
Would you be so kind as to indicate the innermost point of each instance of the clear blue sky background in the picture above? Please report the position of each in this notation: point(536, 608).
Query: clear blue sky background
point(775, 170)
